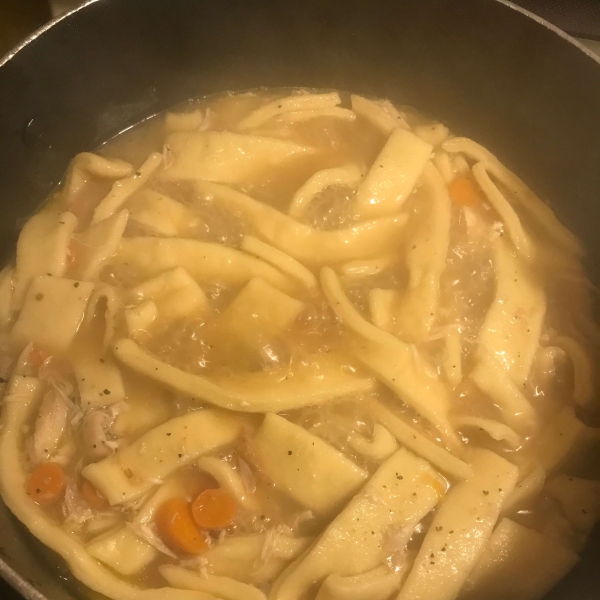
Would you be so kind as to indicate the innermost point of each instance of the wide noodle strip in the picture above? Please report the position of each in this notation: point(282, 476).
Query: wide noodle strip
point(259, 314)
point(141, 318)
point(311, 471)
point(513, 324)
point(162, 215)
point(204, 261)
point(525, 491)
point(124, 189)
point(365, 268)
point(378, 584)
point(282, 261)
point(579, 500)
point(583, 385)
point(432, 133)
point(222, 587)
point(518, 563)
point(415, 309)
point(87, 166)
point(395, 363)
point(309, 385)
point(518, 192)
point(42, 249)
point(311, 246)
point(226, 157)
point(347, 176)
point(493, 380)
point(97, 243)
point(98, 377)
point(393, 175)
point(174, 293)
point(453, 356)
point(122, 550)
point(460, 529)
point(137, 468)
point(300, 116)
point(505, 211)
point(382, 114)
point(419, 444)
point(148, 405)
point(560, 438)
point(184, 121)
point(402, 491)
point(53, 310)
point(287, 104)
point(381, 446)
point(12, 485)
point(105, 303)
point(254, 558)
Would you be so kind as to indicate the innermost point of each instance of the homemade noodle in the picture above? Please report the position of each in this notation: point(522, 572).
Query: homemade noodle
point(289, 345)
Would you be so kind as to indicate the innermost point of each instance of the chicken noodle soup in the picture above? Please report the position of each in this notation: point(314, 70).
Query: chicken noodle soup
point(299, 346)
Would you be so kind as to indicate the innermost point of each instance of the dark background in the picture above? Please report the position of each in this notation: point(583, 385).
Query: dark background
point(580, 18)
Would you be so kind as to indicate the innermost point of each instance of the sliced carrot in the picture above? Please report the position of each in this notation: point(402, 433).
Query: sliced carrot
point(463, 192)
point(177, 528)
point(46, 484)
point(198, 482)
point(92, 496)
point(214, 509)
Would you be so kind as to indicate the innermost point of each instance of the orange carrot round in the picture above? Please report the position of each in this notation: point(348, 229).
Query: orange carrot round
point(177, 528)
point(92, 496)
point(214, 509)
point(46, 484)
point(463, 192)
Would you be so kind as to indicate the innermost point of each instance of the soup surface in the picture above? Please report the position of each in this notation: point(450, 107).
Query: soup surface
point(299, 345)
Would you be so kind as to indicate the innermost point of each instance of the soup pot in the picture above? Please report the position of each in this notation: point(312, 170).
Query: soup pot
point(486, 68)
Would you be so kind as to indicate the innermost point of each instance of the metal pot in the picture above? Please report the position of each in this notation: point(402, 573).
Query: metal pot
point(484, 67)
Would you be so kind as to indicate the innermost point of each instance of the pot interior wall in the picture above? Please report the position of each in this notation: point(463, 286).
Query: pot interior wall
point(482, 67)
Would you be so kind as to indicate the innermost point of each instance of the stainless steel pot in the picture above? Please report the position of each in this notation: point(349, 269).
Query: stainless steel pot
point(484, 67)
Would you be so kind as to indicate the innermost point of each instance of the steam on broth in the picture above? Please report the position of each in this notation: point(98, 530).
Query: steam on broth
point(299, 346)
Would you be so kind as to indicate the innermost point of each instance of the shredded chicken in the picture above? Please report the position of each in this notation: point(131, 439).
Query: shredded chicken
point(95, 432)
point(50, 426)
point(272, 539)
point(148, 532)
point(75, 509)
point(198, 563)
